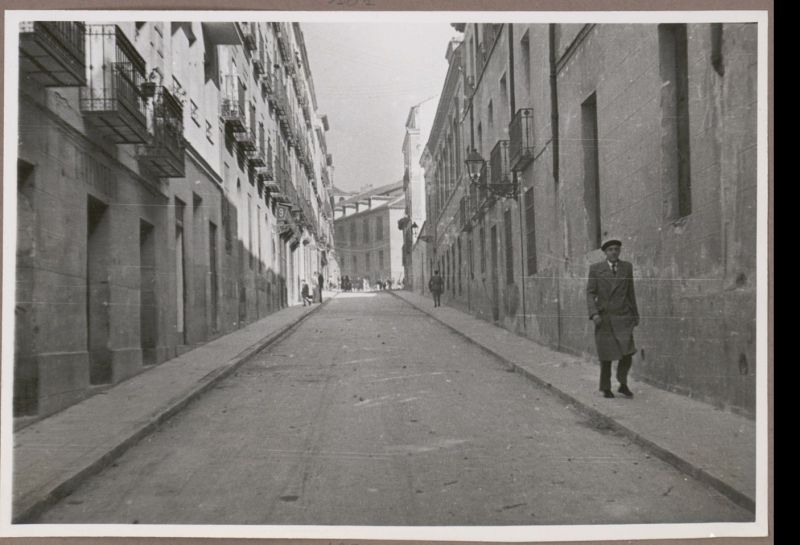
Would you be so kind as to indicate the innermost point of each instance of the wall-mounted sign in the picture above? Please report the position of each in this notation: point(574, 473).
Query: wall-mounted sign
point(282, 213)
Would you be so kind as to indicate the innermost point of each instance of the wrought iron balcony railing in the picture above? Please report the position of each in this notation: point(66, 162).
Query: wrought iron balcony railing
point(283, 48)
point(112, 99)
point(53, 53)
point(520, 132)
point(280, 97)
point(258, 66)
point(165, 151)
point(258, 157)
point(232, 106)
point(248, 35)
point(266, 83)
point(246, 140)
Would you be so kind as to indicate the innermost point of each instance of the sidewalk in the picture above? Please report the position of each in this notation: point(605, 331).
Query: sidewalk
point(713, 446)
point(54, 455)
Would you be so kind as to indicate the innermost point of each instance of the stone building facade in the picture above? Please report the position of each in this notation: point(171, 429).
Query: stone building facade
point(173, 186)
point(646, 133)
point(368, 243)
point(418, 127)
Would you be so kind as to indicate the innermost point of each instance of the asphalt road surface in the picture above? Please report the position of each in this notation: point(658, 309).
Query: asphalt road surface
point(371, 413)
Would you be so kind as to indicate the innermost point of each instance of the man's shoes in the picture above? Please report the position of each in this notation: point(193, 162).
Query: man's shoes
point(625, 391)
point(607, 394)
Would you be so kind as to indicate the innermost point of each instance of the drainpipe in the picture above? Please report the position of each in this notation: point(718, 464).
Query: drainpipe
point(472, 146)
point(513, 105)
point(555, 144)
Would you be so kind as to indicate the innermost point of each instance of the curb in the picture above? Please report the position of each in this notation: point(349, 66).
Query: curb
point(739, 498)
point(29, 513)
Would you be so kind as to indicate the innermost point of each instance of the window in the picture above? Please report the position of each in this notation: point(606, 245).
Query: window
point(490, 115)
point(258, 233)
point(452, 254)
point(530, 232)
point(447, 270)
point(355, 264)
point(471, 257)
point(367, 262)
point(509, 240)
point(250, 229)
point(365, 228)
point(177, 90)
point(379, 228)
point(194, 113)
point(353, 236)
point(591, 169)
point(674, 69)
point(716, 48)
point(209, 132)
point(380, 259)
point(504, 98)
point(460, 282)
point(525, 50)
point(483, 249)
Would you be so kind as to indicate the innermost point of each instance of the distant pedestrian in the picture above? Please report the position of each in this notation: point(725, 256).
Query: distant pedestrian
point(321, 283)
point(436, 285)
point(612, 307)
point(305, 293)
point(388, 283)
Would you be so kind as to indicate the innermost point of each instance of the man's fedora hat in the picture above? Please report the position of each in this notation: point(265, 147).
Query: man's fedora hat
point(610, 242)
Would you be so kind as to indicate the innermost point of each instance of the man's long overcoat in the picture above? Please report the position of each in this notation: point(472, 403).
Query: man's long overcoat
point(613, 297)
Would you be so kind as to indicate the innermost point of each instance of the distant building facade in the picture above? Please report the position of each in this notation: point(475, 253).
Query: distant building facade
point(418, 124)
point(173, 185)
point(368, 243)
point(646, 133)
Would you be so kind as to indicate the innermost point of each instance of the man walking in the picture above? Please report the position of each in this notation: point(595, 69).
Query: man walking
point(612, 307)
point(321, 283)
point(436, 285)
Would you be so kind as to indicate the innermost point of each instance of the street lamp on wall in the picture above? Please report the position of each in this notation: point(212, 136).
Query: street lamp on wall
point(476, 165)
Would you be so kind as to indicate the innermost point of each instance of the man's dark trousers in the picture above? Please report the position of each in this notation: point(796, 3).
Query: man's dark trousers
point(623, 367)
point(437, 299)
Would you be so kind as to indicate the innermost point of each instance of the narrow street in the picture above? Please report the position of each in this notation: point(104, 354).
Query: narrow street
point(371, 413)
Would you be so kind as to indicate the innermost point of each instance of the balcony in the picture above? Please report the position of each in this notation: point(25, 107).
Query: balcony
point(498, 162)
point(258, 66)
point(256, 158)
point(246, 140)
point(266, 83)
point(267, 178)
point(282, 46)
point(165, 152)
point(112, 99)
point(53, 53)
point(520, 132)
point(248, 31)
point(232, 107)
point(280, 102)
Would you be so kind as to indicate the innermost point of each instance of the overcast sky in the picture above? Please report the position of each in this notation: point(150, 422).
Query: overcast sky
point(367, 76)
